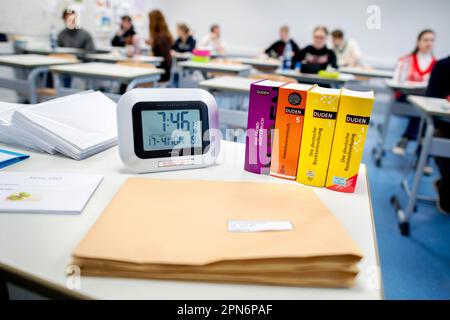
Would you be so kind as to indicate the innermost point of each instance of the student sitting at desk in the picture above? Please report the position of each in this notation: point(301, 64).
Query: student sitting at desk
point(415, 67)
point(283, 47)
point(317, 56)
point(161, 41)
point(439, 87)
point(213, 41)
point(347, 51)
point(127, 36)
point(185, 42)
point(73, 36)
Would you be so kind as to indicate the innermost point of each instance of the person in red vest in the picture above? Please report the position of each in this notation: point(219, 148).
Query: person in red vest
point(415, 67)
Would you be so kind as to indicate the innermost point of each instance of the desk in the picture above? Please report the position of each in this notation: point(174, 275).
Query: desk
point(316, 79)
point(113, 58)
point(369, 73)
point(260, 64)
point(430, 108)
point(178, 56)
point(205, 68)
point(403, 109)
point(407, 88)
point(29, 67)
point(234, 90)
point(37, 248)
point(92, 71)
point(228, 84)
point(46, 50)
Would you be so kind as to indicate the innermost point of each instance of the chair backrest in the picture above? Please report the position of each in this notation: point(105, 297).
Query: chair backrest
point(65, 56)
point(131, 63)
point(273, 77)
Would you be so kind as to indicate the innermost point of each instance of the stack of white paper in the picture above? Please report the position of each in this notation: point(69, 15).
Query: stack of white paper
point(13, 135)
point(77, 126)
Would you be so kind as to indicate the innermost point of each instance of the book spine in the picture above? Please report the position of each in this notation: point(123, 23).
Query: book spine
point(318, 132)
point(261, 122)
point(349, 138)
point(288, 133)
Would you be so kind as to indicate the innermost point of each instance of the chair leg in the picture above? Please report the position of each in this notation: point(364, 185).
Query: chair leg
point(4, 294)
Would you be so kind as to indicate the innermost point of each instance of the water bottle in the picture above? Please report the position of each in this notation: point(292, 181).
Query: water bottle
point(287, 56)
point(53, 38)
point(298, 66)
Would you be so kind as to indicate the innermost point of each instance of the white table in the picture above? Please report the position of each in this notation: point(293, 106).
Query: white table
point(187, 67)
point(92, 71)
point(260, 64)
point(29, 67)
point(317, 79)
point(37, 248)
point(235, 91)
point(228, 84)
point(398, 108)
point(47, 50)
point(408, 87)
point(113, 58)
point(370, 73)
point(236, 69)
point(430, 108)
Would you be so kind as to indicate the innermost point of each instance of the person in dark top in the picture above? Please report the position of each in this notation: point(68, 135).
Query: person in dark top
point(161, 41)
point(282, 46)
point(439, 87)
point(73, 36)
point(185, 42)
point(126, 36)
point(317, 56)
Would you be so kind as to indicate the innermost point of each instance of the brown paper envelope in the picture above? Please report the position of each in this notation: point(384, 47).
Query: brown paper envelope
point(185, 222)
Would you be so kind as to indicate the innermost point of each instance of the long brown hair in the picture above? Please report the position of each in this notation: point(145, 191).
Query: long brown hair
point(158, 26)
point(420, 36)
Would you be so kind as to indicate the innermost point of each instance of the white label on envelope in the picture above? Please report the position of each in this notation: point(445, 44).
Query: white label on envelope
point(259, 225)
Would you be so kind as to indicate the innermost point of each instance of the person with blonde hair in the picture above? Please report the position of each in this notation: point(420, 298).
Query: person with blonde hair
point(284, 46)
point(316, 56)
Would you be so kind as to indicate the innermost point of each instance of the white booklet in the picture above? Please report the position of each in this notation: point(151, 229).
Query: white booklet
point(22, 192)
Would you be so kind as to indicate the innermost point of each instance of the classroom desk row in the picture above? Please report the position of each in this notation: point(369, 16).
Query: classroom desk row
point(29, 67)
point(396, 108)
point(429, 110)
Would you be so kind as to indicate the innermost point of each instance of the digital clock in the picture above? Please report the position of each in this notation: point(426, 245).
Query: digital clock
point(168, 129)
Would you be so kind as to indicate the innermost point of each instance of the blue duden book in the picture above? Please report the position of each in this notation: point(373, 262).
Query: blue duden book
point(8, 158)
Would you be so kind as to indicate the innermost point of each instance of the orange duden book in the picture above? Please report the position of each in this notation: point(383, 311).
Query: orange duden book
point(288, 130)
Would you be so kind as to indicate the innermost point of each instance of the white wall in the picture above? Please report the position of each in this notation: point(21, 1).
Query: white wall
point(249, 26)
point(34, 17)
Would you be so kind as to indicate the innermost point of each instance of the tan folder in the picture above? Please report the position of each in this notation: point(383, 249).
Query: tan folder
point(178, 229)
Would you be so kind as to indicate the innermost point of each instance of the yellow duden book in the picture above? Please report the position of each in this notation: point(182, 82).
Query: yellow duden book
point(352, 125)
point(240, 232)
point(320, 119)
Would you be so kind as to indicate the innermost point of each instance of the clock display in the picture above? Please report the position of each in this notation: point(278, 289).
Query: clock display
point(171, 129)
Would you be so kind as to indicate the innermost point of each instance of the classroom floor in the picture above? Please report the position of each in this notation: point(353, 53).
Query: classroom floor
point(418, 266)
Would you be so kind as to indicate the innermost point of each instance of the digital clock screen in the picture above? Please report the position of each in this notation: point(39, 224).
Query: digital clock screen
point(171, 129)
